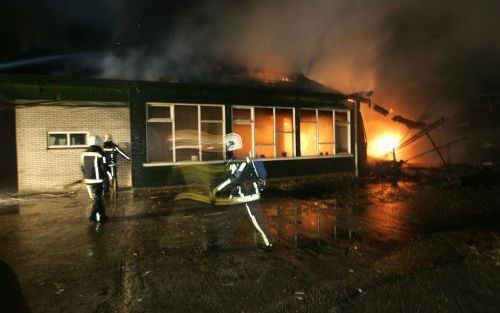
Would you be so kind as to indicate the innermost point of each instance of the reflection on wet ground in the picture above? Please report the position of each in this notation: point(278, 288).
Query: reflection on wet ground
point(294, 222)
point(373, 213)
point(153, 249)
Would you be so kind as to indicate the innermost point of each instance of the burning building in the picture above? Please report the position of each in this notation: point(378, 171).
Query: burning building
point(295, 130)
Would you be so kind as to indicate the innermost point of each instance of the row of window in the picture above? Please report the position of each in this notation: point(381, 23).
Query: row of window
point(189, 132)
point(186, 132)
point(67, 139)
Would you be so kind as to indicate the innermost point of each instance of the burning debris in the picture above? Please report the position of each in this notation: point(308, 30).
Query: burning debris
point(392, 143)
point(411, 124)
point(381, 110)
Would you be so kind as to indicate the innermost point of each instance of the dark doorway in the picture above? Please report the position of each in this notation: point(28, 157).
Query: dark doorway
point(8, 159)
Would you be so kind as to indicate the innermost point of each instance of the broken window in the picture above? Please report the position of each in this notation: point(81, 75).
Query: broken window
point(342, 134)
point(266, 132)
point(195, 133)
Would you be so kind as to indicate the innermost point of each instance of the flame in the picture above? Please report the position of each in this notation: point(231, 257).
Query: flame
point(270, 76)
point(385, 143)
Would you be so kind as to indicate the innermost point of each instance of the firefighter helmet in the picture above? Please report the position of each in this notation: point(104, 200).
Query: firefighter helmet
point(233, 142)
point(108, 137)
point(94, 141)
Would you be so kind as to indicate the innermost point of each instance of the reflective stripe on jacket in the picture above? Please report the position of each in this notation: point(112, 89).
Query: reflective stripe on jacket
point(94, 165)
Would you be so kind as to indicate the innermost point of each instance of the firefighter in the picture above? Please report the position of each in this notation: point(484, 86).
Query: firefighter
point(241, 190)
point(112, 150)
point(95, 170)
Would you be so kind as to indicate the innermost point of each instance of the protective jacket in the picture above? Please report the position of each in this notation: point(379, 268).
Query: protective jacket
point(94, 165)
point(243, 183)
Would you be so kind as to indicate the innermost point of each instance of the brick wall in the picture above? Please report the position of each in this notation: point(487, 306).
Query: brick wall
point(41, 169)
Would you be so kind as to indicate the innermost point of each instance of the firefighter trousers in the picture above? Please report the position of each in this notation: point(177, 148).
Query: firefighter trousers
point(96, 202)
point(237, 213)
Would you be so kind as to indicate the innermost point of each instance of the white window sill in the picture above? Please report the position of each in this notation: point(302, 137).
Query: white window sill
point(68, 147)
point(155, 164)
point(159, 164)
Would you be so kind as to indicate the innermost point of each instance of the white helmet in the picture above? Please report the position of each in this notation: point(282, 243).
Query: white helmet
point(108, 137)
point(94, 141)
point(233, 142)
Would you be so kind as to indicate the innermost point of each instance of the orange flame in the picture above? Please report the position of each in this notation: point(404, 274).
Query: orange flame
point(384, 144)
point(270, 76)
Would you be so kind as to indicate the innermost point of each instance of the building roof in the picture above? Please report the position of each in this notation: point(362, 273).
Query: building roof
point(62, 88)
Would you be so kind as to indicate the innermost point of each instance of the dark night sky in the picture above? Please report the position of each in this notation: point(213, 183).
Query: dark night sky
point(422, 53)
point(56, 26)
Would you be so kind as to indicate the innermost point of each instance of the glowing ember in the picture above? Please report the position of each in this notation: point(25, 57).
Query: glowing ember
point(270, 76)
point(385, 143)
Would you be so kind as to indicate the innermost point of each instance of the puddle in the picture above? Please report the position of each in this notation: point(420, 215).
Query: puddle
point(292, 222)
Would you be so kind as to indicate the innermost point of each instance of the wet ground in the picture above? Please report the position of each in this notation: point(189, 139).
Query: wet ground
point(368, 248)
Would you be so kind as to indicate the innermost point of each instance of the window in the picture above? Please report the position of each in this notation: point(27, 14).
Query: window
point(187, 141)
point(266, 132)
point(185, 132)
point(342, 133)
point(284, 133)
point(316, 132)
point(243, 126)
point(325, 132)
point(308, 133)
point(319, 136)
point(212, 133)
point(159, 132)
point(67, 140)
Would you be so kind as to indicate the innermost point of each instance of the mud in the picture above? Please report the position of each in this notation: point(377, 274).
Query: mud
point(432, 247)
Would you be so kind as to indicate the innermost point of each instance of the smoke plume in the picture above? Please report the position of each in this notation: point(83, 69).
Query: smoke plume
point(422, 58)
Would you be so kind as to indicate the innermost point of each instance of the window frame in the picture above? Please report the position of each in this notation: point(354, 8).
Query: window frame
point(160, 120)
point(316, 122)
point(333, 143)
point(318, 142)
point(171, 120)
point(68, 139)
point(251, 122)
point(348, 125)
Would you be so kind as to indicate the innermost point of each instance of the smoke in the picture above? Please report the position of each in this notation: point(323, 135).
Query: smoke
point(414, 54)
point(332, 41)
point(401, 49)
point(424, 59)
